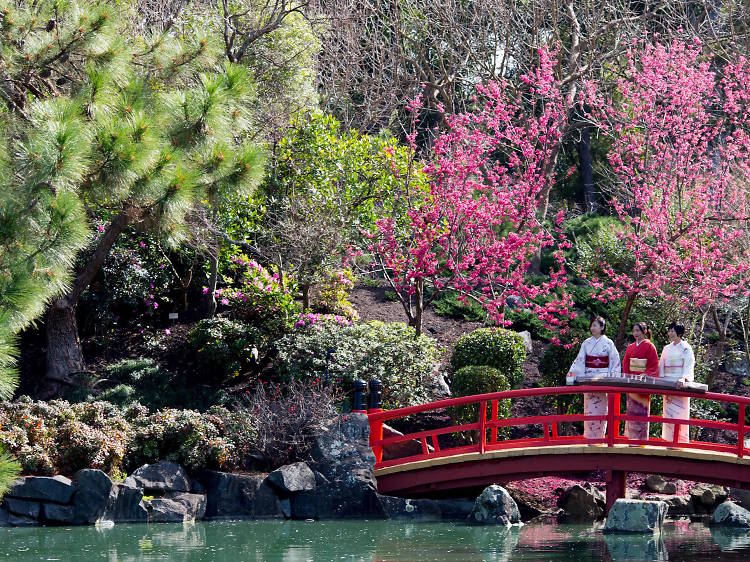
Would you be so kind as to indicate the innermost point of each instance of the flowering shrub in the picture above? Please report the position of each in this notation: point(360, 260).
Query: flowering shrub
point(224, 349)
point(257, 295)
point(218, 439)
point(333, 296)
point(391, 352)
point(501, 349)
point(310, 319)
point(59, 438)
point(56, 437)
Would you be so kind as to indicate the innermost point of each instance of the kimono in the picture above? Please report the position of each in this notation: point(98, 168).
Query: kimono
point(640, 359)
point(598, 356)
point(677, 363)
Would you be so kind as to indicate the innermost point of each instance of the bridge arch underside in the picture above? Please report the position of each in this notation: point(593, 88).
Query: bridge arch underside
point(468, 473)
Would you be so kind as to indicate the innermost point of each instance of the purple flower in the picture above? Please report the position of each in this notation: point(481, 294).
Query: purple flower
point(100, 227)
point(224, 302)
point(205, 290)
point(156, 305)
point(142, 244)
point(168, 331)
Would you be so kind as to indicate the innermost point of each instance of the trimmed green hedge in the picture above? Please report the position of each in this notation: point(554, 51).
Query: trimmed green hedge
point(478, 379)
point(498, 348)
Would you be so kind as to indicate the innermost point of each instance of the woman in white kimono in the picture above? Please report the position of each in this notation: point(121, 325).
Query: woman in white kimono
point(677, 363)
point(598, 356)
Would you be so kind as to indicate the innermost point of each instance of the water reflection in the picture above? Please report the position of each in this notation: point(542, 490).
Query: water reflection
point(373, 541)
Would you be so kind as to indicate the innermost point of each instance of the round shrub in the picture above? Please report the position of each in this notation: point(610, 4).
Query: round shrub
point(501, 349)
point(478, 379)
point(391, 352)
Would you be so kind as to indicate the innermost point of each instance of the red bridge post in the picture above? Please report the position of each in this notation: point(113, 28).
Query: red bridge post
point(616, 487)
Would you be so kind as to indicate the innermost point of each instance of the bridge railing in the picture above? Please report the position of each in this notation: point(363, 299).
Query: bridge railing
point(488, 432)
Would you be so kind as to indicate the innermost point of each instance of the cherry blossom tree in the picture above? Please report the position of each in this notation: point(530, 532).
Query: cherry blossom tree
point(680, 159)
point(475, 228)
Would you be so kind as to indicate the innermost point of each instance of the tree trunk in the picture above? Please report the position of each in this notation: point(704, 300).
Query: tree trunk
point(587, 171)
point(305, 297)
point(624, 320)
point(416, 320)
point(64, 356)
point(720, 346)
point(213, 279)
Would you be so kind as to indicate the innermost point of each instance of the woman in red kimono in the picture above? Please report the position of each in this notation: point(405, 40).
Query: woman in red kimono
point(641, 358)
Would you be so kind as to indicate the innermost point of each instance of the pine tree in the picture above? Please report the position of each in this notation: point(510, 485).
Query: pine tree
point(124, 130)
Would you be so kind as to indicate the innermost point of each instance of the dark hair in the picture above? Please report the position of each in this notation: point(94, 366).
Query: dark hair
point(643, 327)
point(599, 320)
point(679, 329)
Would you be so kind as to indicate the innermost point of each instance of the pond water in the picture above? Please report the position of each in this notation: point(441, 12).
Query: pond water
point(367, 541)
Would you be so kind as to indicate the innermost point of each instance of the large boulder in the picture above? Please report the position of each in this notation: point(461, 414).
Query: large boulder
point(56, 489)
point(125, 505)
point(176, 508)
point(160, 478)
point(729, 514)
point(581, 503)
point(529, 505)
point(93, 488)
point(740, 497)
point(291, 478)
point(427, 509)
point(494, 506)
point(240, 496)
point(345, 483)
point(402, 449)
point(636, 516)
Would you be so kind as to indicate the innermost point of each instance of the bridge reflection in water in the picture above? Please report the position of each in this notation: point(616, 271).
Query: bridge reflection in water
point(464, 457)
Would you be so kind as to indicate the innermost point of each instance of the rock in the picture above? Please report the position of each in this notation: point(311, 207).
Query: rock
point(125, 505)
point(582, 504)
point(56, 514)
point(455, 510)
point(494, 506)
point(736, 364)
point(527, 341)
point(160, 478)
point(679, 506)
point(93, 488)
point(21, 521)
point(740, 497)
point(443, 385)
point(402, 449)
point(413, 510)
point(344, 461)
point(656, 483)
point(729, 514)
point(177, 508)
point(286, 507)
point(290, 478)
point(247, 496)
point(56, 489)
point(25, 508)
point(708, 495)
point(636, 516)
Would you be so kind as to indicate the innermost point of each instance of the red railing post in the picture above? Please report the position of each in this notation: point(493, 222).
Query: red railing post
point(482, 426)
point(611, 418)
point(494, 418)
point(741, 431)
point(374, 404)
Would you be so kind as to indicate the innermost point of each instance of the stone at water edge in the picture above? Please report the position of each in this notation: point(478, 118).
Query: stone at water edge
point(160, 478)
point(494, 506)
point(24, 508)
point(729, 514)
point(740, 497)
point(636, 516)
point(93, 488)
point(177, 508)
point(295, 477)
point(241, 496)
point(582, 504)
point(125, 505)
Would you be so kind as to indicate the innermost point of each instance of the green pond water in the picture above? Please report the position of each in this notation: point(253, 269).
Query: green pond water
point(365, 540)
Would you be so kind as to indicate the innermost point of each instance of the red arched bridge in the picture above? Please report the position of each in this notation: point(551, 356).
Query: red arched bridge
point(468, 456)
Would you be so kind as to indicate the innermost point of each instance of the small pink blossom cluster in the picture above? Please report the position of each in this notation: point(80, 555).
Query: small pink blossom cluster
point(311, 319)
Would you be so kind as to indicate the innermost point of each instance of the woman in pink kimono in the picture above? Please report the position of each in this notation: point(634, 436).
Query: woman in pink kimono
point(677, 363)
point(598, 356)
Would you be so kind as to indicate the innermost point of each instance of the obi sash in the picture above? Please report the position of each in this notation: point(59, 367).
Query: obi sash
point(597, 361)
point(674, 368)
point(637, 365)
